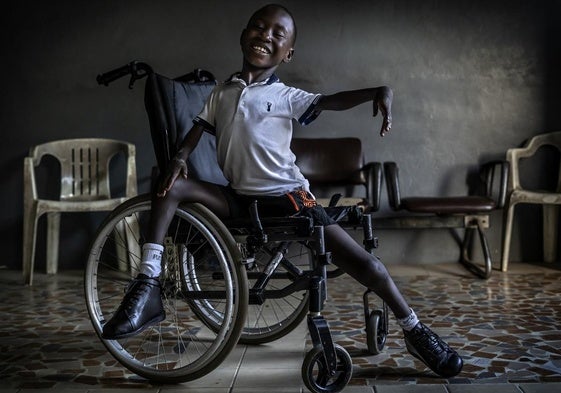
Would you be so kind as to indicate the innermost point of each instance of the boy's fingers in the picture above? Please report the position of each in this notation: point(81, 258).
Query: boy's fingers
point(169, 181)
point(386, 126)
point(166, 185)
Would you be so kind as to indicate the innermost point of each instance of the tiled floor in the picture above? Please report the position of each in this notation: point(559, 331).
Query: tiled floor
point(508, 330)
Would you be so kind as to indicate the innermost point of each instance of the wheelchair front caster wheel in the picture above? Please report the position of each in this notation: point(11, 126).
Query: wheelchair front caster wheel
point(375, 332)
point(316, 376)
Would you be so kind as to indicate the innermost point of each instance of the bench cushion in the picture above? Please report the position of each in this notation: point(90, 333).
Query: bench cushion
point(448, 205)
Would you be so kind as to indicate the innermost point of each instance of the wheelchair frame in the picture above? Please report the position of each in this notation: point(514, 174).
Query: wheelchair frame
point(208, 266)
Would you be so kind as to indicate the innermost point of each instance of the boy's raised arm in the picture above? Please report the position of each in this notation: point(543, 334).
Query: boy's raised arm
point(381, 98)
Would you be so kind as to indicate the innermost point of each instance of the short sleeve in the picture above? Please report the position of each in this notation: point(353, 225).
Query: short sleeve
point(311, 112)
point(206, 117)
point(303, 105)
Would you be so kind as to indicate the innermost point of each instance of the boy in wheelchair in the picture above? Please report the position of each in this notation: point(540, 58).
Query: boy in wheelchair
point(251, 115)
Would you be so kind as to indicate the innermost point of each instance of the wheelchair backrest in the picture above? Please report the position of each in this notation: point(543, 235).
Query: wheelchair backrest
point(172, 104)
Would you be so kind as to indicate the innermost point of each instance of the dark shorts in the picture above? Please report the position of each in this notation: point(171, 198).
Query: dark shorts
point(295, 203)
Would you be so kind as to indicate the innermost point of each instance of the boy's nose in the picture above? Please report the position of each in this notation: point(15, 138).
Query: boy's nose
point(266, 34)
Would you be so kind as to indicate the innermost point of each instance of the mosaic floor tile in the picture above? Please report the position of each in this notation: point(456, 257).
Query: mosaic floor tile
point(507, 328)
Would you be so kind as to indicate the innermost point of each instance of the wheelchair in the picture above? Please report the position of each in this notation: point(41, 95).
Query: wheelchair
point(250, 280)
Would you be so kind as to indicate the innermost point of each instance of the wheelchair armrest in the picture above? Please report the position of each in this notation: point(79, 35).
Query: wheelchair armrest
point(488, 173)
point(372, 173)
point(391, 173)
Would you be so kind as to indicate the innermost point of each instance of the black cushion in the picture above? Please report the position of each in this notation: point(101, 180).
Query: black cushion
point(448, 205)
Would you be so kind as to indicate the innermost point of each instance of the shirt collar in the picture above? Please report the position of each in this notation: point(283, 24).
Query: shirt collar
point(269, 81)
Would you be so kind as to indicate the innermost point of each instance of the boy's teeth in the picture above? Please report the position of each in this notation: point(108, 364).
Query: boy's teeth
point(260, 49)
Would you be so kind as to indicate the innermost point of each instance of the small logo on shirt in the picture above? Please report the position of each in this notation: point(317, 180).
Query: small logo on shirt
point(269, 105)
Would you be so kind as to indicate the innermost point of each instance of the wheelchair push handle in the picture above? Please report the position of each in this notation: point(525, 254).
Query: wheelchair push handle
point(136, 69)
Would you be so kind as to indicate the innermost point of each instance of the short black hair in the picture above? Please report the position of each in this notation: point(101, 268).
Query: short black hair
point(281, 7)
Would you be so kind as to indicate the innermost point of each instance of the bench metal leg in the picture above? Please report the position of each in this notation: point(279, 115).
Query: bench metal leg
point(476, 223)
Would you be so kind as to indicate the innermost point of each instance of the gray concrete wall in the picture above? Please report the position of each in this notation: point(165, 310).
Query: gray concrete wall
point(471, 79)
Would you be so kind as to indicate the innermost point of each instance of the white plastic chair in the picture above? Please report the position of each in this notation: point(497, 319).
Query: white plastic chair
point(550, 200)
point(84, 187)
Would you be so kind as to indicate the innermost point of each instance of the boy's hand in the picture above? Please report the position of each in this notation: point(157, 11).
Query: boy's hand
point(383, 103)
point(177, 167)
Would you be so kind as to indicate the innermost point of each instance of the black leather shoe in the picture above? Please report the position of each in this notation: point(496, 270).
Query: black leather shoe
point(141, 308)
point(426, 346)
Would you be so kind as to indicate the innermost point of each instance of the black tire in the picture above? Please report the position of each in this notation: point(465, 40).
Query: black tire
point(314, 371)
point(375, 339)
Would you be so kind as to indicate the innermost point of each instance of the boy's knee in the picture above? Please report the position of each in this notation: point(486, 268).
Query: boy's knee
point(377, 272)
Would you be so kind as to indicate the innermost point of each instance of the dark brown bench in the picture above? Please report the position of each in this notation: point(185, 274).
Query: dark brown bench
point(467, 212)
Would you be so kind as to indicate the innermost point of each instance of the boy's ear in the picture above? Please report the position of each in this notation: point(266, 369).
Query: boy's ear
point(288, 56)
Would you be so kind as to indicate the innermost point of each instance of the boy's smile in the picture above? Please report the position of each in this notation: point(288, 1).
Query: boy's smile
point(261, 49)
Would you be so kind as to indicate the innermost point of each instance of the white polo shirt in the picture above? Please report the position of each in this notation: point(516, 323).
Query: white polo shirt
point(253, 127)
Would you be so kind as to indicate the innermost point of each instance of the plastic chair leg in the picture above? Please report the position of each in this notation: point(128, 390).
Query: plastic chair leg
point(29, 239)
point(507, 234)
point(53, 237)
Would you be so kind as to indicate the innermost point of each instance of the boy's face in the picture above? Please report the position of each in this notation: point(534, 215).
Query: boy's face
point(268, 38)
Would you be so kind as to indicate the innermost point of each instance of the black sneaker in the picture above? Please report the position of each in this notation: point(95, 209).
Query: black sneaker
point(426, 346)
point(141, 308)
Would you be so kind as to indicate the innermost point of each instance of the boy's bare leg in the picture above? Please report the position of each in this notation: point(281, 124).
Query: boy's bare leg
point(183, 190)
point(367, 269)
point(364, 267)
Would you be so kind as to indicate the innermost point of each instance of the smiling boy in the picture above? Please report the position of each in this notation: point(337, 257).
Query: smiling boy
point(251, 115)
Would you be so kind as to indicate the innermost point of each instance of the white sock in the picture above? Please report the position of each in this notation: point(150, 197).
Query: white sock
point(151, 263)
point(409, 322)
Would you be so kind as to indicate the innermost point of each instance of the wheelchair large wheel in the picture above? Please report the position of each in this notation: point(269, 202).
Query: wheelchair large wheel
point(276, 316)
point(180, 348)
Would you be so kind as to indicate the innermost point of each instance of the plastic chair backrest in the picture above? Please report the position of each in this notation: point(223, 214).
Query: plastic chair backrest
point(84, 166)
point(171, 106)
point(513, 156)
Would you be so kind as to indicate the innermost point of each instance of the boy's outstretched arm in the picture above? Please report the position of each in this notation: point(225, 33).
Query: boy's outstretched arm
point(381, 98)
